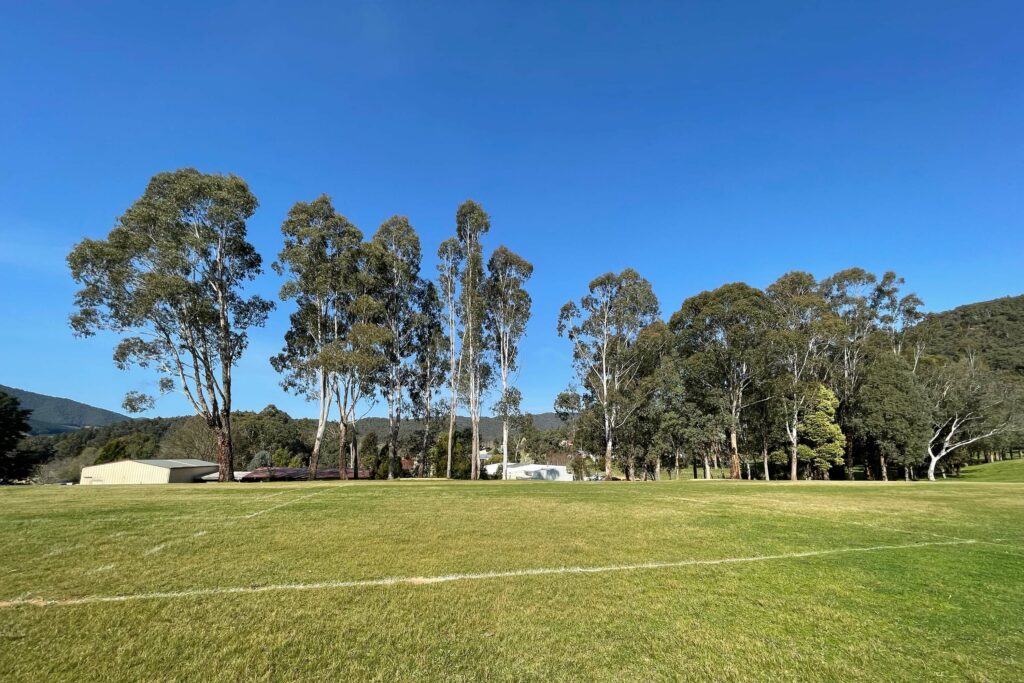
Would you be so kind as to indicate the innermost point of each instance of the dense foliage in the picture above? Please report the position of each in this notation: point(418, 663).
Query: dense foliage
point(15, 463)
point(993, 331)
point(807, 378)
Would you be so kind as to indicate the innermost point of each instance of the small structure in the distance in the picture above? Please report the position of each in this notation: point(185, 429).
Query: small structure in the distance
point(290, 474)
point(147, 472)
point(520, 471)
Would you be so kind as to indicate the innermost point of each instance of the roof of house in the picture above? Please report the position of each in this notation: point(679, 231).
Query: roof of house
point(175, 464)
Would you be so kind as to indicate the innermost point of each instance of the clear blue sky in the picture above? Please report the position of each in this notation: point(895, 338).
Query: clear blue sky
point(700, 143)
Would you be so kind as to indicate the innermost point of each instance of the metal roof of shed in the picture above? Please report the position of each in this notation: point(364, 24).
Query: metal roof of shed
point(175, 464)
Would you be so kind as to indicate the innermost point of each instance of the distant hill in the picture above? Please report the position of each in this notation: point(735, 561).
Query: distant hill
point(994, 330)
point(52, 415)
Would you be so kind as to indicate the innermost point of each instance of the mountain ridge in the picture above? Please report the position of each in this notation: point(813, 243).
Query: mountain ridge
point(991, 330)
point(55, 414)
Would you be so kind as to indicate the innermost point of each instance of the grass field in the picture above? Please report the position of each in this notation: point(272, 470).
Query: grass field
point(1004, 471)
point(513, 581)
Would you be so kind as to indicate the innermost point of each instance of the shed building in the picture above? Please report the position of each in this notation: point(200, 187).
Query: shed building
point(147, 472)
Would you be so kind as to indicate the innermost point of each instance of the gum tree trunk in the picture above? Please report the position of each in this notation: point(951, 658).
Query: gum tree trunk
point(342, 460)
point(321, 427)
point(735, 472)
point(607, 447)
point(792, 462)
point(225, 452)
point(504, 448)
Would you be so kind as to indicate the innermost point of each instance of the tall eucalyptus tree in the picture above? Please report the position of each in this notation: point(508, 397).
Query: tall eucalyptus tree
point(604, 326)
point(169, 278)
point(394, 265)
point(850, 295)
point(897, 313)
point(319, 258)
point(450, 257)
point(803, 331)
point(358, 355)
point(721, 333)
point(429, 370)
point(507, 312)
point(471, 223)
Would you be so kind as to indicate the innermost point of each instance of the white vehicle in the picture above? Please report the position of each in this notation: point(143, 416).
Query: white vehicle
point(520, 472)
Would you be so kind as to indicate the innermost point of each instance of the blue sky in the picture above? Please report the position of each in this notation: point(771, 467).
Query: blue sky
point(699, 143)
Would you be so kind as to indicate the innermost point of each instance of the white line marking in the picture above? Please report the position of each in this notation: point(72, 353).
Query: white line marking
point(272, 495)
point(447, 578)
point(155, 549)
point(279, 505)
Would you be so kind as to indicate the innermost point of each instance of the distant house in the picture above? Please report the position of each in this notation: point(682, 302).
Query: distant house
point(147, 472)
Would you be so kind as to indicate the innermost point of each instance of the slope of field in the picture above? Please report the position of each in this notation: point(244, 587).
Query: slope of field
point(1006, 470)
point(513, 581)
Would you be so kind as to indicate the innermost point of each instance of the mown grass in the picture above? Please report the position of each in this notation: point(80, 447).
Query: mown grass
point(1005, 471)
point(908, 613)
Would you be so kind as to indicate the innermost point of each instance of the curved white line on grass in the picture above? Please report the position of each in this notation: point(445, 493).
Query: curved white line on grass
point(279, 505)
point(448, 578)
point(272, 495)
point(230, 520)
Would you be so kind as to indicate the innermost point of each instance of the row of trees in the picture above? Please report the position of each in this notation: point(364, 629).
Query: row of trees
point(169, 279)
point(368, 324)
point(823, 376)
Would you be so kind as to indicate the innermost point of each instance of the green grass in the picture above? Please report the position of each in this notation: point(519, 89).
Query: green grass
point(1005, 470)
point(927, 612)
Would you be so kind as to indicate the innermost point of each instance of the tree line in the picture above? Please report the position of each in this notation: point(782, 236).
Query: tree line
point(817, 378)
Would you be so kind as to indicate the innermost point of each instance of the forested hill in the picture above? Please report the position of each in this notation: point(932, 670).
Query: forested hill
point(52, 415)
point(994, 330)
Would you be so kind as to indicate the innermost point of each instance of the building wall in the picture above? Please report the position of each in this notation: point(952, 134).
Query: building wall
point(132, 472)
point(124, 472)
